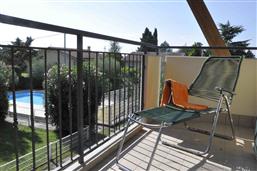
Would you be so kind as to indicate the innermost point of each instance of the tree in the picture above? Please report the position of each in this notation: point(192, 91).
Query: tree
point(196, 51)
point(114, 47)
point(148, 37)
point(92, 97)
point(165, 47)
point(21, 54)
point(228, 32)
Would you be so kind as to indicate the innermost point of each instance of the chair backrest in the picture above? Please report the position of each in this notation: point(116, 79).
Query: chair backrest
point(220, 72)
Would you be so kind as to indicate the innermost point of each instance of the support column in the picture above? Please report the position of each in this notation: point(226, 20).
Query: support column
point(208, 26)
point(80, 96)
point(152, 80)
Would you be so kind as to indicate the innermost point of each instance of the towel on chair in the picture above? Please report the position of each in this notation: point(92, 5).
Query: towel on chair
point(177, 93)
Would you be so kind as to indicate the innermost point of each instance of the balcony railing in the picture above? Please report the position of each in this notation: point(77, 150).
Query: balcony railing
point(88, 94)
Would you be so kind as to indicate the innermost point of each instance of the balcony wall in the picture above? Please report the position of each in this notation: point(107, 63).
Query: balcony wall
point(185, 70)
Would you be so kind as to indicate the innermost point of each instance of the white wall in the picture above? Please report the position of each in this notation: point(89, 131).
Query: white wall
point(185, 70)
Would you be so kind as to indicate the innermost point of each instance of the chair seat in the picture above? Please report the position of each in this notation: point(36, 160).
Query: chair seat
point(168, 114)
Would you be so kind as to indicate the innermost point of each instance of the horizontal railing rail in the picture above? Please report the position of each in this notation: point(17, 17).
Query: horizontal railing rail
point(50, 27)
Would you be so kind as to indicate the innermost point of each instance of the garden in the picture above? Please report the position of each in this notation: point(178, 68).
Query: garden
point(99, 76)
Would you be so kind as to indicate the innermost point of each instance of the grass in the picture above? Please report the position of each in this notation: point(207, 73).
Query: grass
point(7, 140)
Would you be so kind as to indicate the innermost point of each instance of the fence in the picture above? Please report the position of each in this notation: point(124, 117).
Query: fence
point(41, 154)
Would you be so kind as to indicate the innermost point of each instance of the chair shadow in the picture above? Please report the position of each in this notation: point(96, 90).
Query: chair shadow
point(235, 157)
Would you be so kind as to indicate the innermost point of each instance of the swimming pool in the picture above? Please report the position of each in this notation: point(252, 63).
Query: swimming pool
point(24, 97)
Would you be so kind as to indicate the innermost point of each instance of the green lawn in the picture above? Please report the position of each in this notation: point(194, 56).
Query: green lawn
point(7, 137)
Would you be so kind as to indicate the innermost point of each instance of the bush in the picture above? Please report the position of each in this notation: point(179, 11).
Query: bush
point(38, 72)
point(88, 77)
point(4, 81)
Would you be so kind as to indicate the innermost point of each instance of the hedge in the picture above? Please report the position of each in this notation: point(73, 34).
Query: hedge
point(4, 81)
point(89, 79)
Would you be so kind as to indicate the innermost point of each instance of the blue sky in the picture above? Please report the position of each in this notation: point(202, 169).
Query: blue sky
point(126, 19)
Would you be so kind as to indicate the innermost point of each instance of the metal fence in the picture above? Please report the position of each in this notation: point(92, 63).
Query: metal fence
point(111, 89)
point(99, 88)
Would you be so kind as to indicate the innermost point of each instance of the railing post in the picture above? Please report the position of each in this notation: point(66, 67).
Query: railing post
point(143, 82)
point(80, 96)
point(152, 75)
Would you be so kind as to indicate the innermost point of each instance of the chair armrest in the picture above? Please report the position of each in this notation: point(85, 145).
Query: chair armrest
point(221, 90)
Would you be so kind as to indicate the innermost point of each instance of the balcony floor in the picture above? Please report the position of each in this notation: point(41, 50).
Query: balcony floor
point(224, 154)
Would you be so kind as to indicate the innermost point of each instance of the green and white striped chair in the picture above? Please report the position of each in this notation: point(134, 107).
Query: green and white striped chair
point(216, 81)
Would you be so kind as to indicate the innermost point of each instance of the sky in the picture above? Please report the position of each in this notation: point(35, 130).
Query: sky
point(125, 19)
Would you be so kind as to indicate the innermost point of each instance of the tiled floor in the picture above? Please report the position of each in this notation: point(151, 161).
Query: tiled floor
point(224, 154)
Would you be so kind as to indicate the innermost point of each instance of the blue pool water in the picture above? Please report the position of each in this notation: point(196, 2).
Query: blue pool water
point(24, 97)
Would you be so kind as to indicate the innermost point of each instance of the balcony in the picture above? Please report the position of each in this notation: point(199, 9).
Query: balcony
point(97, 110)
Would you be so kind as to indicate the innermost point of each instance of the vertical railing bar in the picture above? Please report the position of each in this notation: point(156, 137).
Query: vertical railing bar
point(109, 94)
point(139, 83)
point(59, 105)
point(15, 120)
point(80, 103)
point(132, 99)
point(136, 75)
point(103, 90)
point(96, 97)
point(70, 108)
point(128, 84)
point(124, 84)
point(114, 93)
point(119, 83)
point(89, 95)
point(46, 112)
point(143, 80)
point(32, 110)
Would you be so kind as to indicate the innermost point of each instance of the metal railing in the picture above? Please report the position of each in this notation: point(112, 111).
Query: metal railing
point(111, 89)
point(121, 92)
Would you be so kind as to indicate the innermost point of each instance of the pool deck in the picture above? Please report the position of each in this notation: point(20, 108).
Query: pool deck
point(25, 109)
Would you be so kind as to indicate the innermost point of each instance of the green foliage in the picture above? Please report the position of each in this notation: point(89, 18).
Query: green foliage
point(165, 47)
point(148, 37)
point(114, 47)
point(20, 54)
point(38, 70)
point(129, 76)
point(91, 98)
point(3, 94)
point(196, 51)
point(228, 32)
point(5, 84)
point(6, 72)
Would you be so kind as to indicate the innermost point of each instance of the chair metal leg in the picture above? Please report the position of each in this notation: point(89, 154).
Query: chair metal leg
point(203, 131)
point(207, 149)
point(230, 118)
point(122, 143)
point(155, 147)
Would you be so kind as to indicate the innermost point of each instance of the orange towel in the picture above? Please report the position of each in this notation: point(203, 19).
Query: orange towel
point(178, 93)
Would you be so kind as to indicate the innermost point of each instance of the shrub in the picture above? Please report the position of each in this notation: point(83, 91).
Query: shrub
point(4, 80)
point(88, 77)
point(38, 72)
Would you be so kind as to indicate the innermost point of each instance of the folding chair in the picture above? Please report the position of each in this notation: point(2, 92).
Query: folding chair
point(216, 81)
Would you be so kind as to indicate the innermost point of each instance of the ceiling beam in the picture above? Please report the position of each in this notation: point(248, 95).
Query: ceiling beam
point(208, 27)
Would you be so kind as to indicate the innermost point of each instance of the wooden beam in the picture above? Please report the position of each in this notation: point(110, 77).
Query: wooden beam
point(208, 26)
